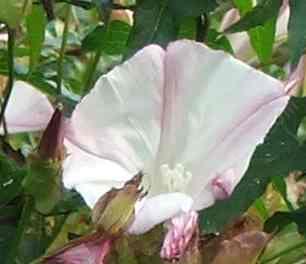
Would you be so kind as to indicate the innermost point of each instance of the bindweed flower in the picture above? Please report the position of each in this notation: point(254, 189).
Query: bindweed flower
point(189, 117)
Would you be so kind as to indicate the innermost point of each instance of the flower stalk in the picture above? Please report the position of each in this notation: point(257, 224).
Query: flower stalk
point(10, 82)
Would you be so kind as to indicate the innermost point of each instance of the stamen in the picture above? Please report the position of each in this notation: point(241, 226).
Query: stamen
point(175, 179)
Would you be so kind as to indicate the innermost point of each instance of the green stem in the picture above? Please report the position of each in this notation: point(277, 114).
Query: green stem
point(24, 218)
point(10, 82)
point(91, 70)
point(284, 252)
point(202, 28)
point(62, 51)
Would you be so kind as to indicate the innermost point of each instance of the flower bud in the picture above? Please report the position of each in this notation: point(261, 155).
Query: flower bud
point(51, 144)
point(13, 11)
point(92, 248)
point(114, 212)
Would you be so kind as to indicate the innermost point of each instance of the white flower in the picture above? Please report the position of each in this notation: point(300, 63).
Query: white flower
point(189, 117)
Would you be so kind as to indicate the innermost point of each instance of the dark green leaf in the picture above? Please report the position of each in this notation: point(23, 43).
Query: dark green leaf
point(36, 23)
point(11, 177)
point(258, 16)
point(281, 219)
point(192, 8)
point(158, 21)
point(278, 155)
point(111, 40)
point(154, 23)
point(297, 30)
point(218, 41)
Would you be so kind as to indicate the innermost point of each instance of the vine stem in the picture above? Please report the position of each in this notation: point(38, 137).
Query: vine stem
point(91, 69)
point(10, 82)
point(94, 61)
point(62, 51)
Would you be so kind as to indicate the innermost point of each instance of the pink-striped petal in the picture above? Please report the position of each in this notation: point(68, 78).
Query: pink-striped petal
point(216, 111)
point(120, 118)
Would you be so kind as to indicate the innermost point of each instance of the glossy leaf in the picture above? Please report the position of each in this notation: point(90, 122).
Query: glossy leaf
point(263, 35)
point(158, 21)
point(297, 30)
point(281, 219)
point(258, 16)
point(36, 22)
point(111, 39)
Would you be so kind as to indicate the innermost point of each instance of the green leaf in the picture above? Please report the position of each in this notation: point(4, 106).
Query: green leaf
point(281, 219)
point(158, 21)
point(112, 39)
point(11, 177)
point(258, 16)
point(183, 8)
point(280, 154)
point(217, 41)
point(262, 40)
point(36, 23)
point(297, 30)
point(154, 23)
point(286, 247)
point(261, 37)
point(244, 6)
point(280, 185)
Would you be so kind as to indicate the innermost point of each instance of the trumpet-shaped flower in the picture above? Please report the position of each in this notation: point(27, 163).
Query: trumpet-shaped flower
point(189, 117)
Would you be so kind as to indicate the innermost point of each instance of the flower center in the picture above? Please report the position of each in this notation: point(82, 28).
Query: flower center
point(175, 179)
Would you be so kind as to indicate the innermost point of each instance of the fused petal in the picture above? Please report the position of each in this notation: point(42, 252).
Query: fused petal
point(157, 209)
point(216, 110)
point(120, 118)
point(27, 109)
point(90, 175)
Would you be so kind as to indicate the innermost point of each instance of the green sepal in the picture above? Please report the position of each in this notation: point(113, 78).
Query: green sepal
point(43, 182)
point(114, 211)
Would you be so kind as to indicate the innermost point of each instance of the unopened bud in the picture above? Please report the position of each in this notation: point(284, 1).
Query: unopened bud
point(114, 212)
point(51, 145)
point(13, 11)
point(181, 243)
point(92, 248)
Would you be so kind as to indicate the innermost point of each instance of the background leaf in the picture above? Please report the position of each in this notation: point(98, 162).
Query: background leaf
point(36, 23)
point(297, 30)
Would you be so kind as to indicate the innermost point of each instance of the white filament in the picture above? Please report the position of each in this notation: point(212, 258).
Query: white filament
point(176, 179)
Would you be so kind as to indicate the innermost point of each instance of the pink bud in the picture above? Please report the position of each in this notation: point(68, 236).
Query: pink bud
point(181, 229)
point(91, 252)
point(51, 144)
